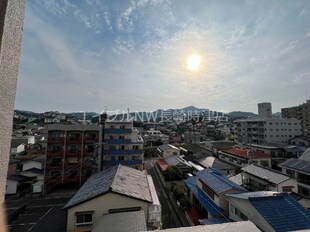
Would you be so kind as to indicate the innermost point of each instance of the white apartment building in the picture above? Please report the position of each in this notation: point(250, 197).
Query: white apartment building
point(267, 129)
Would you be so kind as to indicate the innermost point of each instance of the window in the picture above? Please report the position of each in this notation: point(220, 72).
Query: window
point(239, 213)
point(303, 191)
point(287, 189)
point(84, 218)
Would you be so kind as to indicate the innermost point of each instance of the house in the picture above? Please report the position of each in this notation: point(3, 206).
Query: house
point(256, 178)
point(300, 170)
point(17, 147)
point(12, 168)
point(18, 184)
point(167, 150)
point(269, 211)
point(114, 190)
point(38, 175)
point(35, 163)
point(207, 192)
point(303, 141)
point(213, 162)
point(240, 157)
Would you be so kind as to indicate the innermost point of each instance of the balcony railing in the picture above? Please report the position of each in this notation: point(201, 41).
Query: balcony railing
point(117, 131)
point(118, 141)
point(123, 162)
point(55, 140)
point(74, 140)
point(73, 152)
point(55, 152)
point(91, 140)
point(122, 152)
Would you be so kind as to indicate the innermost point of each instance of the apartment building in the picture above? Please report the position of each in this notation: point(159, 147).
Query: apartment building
point(71, 154)
point(302, 113)
point(268, 130)
point(123, 145)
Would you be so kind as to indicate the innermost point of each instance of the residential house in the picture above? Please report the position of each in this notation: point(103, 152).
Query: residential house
point(257, 178)
point(213, 162)
point(207, 190)
point(114, 190)
point(19, 184)
point(38, 163)
point(167, 150)
point(269, 211)
point(241, 157)
point(12, 168)
point(303, 141)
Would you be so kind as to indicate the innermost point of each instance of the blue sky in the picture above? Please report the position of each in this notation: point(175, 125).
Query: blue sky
point(85, 55)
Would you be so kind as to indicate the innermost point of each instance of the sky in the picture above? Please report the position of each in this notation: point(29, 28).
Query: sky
point(91, 55)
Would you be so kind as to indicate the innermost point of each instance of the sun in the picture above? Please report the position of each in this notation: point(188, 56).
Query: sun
point(193, 62)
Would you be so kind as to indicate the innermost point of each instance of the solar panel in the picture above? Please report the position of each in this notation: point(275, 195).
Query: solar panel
point(306, 168)
point(299, 165)
point(290, 162)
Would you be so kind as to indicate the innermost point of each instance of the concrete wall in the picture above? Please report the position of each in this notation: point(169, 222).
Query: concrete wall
point(11, 187)
point(11, 26)
point(101, 205)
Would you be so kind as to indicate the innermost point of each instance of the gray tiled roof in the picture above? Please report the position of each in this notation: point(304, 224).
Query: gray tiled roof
point(122, 222)
point(231, 227)
point(119, 179)
point(266, 173)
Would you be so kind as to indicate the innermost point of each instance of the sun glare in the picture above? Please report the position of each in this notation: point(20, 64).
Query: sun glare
point(193, 62)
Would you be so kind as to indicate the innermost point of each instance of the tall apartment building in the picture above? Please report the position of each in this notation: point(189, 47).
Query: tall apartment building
point(302, 113)
point(71, 154)
point(266, 129)
point(123, 145)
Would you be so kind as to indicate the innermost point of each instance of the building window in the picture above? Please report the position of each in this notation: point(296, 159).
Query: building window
point(303, 191)
point(287, 189)
point(84, 218)
point(239, 213)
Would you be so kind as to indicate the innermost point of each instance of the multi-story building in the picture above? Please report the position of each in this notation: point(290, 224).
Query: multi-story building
point(302, 113)
point(123, 145)
point(266, 129)
point(71, 154)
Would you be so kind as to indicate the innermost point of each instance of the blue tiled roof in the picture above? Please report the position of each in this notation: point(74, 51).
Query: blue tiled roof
point(217, 181)
point(204, 200)
point(282, 212)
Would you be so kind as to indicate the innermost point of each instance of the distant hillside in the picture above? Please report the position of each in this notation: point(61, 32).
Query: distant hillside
point(80, 115)
point(240, 114)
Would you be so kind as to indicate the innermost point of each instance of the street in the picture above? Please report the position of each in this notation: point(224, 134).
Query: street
point(169, 219)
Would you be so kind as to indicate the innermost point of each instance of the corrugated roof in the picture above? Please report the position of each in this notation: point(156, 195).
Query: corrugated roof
point(119, 179)
point(165, 147)
point(282, 212)
point(217, 181)
point(266, 174)
point(122, 222)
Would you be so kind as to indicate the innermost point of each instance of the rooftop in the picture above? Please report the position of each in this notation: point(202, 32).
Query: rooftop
point(244, 153)
point(122, 222)
point(166, 147)
point(217, 181)
point(249, 195)
point(119, 179)
point(231, 226)
point(297, 164)
point(266, 173)
point(282, 212)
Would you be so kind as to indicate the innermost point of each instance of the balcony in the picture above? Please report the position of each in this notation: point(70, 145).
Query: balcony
point(55, 152)
point(118, 141)
point(123, 162)
point(90, 140)
point(73, 152)
point(74, 140)
point(117, 131)
point(53, 166)
point(56, 140)
point(122, 152)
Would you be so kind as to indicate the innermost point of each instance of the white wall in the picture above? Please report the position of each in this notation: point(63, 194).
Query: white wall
point(10, 43)
point(11, 187)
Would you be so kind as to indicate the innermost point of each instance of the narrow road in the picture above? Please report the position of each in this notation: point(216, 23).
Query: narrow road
point(169, 219)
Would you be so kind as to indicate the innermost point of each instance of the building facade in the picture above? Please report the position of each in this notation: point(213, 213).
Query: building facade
point(122, 145)
point(71, 154)
point(302, 113)
point(268, 130)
